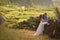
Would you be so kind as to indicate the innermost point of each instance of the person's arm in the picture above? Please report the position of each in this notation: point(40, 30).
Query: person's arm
point(42, 20)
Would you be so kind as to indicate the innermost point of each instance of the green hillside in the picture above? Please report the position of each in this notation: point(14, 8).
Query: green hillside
point(14, 14)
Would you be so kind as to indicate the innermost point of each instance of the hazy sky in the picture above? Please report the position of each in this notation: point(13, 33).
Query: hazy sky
point(55, 0)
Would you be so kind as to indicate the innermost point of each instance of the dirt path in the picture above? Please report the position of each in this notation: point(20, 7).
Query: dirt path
point(30, 35)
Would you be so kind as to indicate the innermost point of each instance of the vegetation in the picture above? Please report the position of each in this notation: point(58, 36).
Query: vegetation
point(14, 16)
point(19, 34)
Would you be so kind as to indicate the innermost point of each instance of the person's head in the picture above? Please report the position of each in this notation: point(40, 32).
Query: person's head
point(45, 13)
point(41, 16)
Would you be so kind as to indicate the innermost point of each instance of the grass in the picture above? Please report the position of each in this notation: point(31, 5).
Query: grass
point(10, 13)
point(22, 34)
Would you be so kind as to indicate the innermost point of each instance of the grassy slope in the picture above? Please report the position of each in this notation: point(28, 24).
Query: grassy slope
point(12, 34)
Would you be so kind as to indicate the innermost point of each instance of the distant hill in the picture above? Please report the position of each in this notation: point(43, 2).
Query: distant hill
point(27, 2)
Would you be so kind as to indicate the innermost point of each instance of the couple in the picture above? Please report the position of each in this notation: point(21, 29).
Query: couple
point(43, 21)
